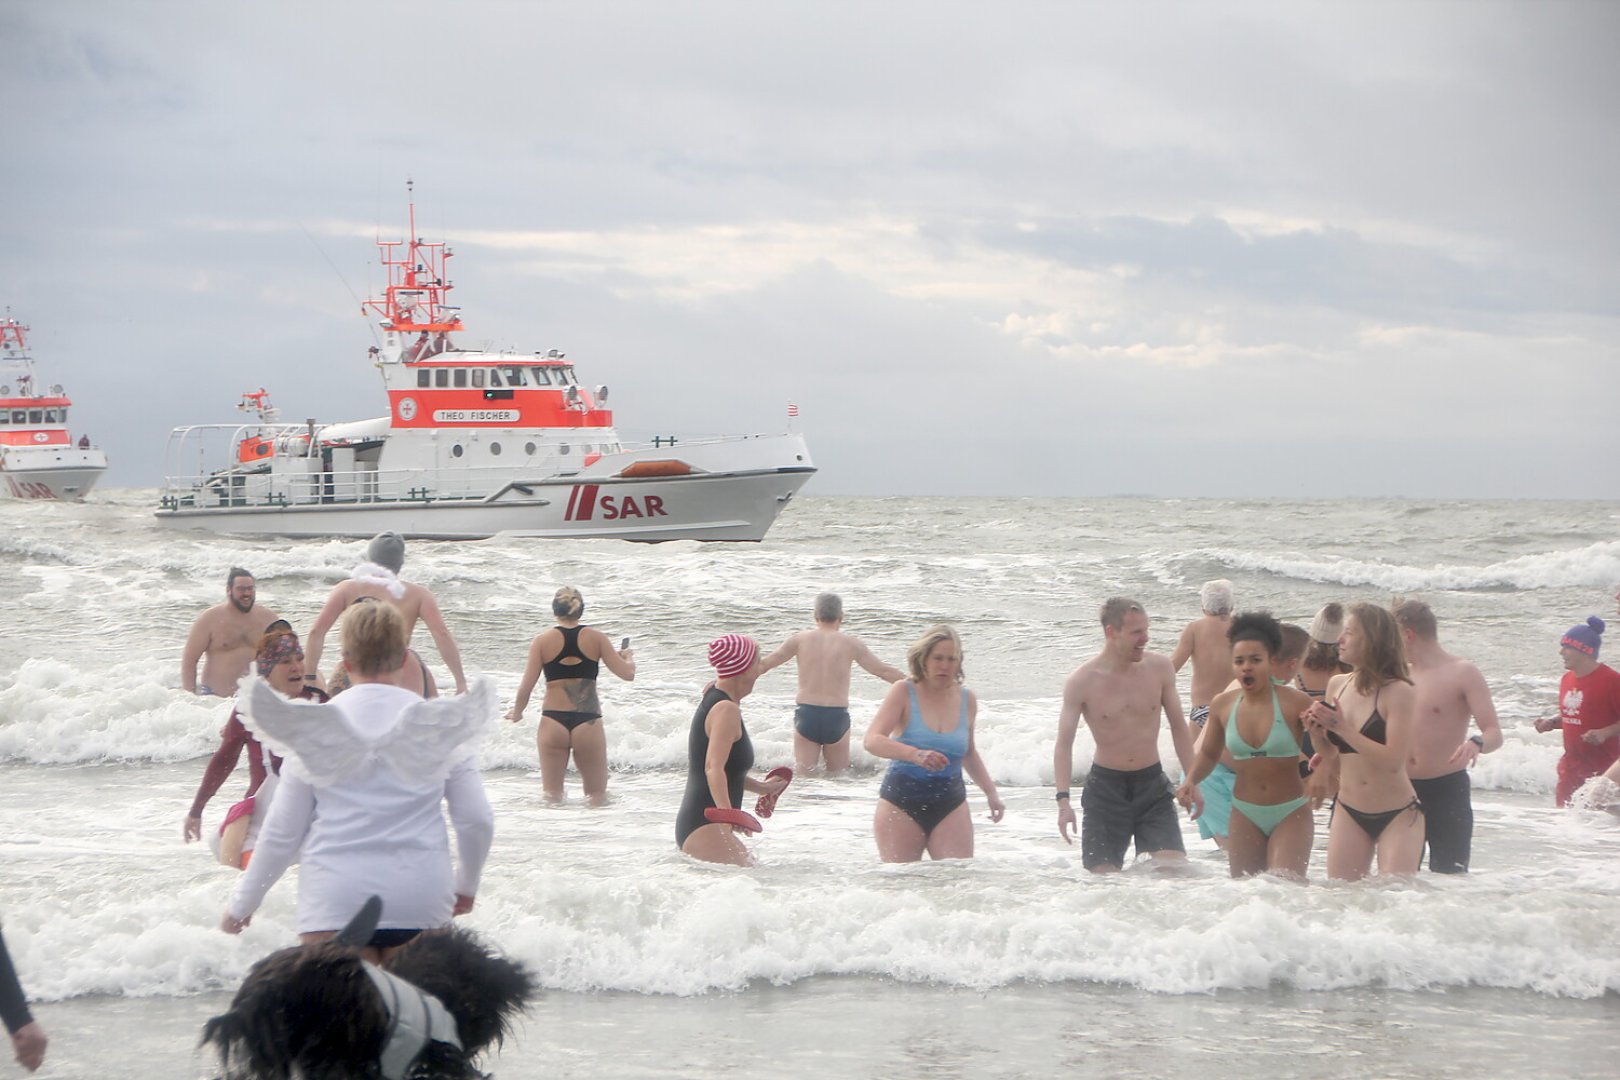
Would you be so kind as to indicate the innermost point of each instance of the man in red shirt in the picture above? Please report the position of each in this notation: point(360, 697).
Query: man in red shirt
point(1588, 709)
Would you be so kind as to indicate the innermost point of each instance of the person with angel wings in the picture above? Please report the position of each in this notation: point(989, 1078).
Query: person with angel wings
point(362, 785)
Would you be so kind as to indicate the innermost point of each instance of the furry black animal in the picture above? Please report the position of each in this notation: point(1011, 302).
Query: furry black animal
point(311, 1012)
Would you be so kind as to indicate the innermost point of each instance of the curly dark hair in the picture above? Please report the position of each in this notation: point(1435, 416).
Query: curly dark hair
point(1256, 626)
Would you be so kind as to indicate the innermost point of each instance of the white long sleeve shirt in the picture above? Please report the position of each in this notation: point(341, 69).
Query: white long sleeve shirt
point(374, 828)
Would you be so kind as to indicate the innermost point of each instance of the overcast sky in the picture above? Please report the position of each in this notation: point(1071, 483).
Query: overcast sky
point(1019, 248)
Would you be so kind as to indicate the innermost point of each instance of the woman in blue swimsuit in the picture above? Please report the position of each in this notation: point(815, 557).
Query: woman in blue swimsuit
point(570, 656)
point(925, 726)
point(1365, 725)
point(1259, 723)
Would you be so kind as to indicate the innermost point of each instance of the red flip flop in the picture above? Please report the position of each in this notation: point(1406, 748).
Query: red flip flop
point(766, 805)
point(740, 819)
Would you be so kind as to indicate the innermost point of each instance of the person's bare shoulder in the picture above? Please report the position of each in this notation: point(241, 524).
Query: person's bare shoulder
point(1159, 665)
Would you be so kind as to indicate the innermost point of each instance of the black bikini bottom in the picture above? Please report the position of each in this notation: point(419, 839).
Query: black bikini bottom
point(1375, 824)
point(569, 719)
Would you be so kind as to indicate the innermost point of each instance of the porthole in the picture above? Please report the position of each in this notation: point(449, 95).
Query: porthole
point(455, 451)
point(495, 449)
point(528, 448)
point(563, 449)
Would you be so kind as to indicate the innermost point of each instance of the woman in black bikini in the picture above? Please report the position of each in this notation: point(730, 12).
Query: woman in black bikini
point(570, 655)
point(1365, 724)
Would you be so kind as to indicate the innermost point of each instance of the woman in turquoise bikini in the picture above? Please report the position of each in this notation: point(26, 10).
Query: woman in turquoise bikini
point(1259, 722)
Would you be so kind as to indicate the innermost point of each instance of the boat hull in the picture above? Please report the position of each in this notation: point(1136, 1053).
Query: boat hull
point(704, 506)
point(65, 475)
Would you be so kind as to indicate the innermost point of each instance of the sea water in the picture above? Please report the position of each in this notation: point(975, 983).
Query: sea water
point(822, 960)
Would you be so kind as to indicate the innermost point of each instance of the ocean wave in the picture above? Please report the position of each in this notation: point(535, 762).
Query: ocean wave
point(1594, 566)
point(678, 929)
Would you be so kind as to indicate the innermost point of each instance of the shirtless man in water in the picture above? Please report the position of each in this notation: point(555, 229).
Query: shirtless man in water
point(1450, 690)
point(1126, 796)
point(378, 579)
point(1203, 641)
point(224, 638)
point(824, 656)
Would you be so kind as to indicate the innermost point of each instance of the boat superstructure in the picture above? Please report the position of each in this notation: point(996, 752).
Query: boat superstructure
point(476, 442)
point(39, 458)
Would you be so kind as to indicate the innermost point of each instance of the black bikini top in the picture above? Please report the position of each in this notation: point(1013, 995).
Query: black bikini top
point(556, 669)
point(1374, 728)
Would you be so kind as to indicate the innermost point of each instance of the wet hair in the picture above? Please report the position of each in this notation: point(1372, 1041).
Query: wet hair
point(1383, 652)
point(1256, 626)
point(374, 638)
point(829, 608)
point(1295, 640)
point(1115, 609)
point(1216, 597)
point(236, 572)
point(1416, 616)
point(917, 655)
point(568, 603)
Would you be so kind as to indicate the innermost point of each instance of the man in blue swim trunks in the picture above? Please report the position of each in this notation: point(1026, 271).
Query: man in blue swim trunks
point(1127, 797)
point(824, 656)
point(225, 638)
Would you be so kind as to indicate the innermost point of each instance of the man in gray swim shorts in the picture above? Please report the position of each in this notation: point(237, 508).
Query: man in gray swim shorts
point(824, 656)
point(1121, 694)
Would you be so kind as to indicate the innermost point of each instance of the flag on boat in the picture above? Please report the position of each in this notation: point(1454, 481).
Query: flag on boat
point(793, 409)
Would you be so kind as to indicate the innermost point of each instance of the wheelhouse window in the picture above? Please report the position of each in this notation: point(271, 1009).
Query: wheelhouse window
point(478, 377)
point(441, 377)
point(50, 416)
point(514, 376)
point(542, 377)
point(36, 416)
point(19, 416)
point(461, 377)
point(424, 378)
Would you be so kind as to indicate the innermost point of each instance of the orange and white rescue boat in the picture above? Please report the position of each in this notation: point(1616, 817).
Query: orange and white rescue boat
point(38, 456)
point(476, 443)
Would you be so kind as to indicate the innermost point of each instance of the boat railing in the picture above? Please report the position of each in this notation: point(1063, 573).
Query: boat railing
point(208, 467)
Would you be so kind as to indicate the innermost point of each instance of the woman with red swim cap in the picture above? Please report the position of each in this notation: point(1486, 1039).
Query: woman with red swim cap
point(719, 755)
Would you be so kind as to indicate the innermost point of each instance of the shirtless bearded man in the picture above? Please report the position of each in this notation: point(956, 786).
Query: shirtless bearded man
point(1126, 796)
point(824, 656)
point(224, 638)
point(1450, 690)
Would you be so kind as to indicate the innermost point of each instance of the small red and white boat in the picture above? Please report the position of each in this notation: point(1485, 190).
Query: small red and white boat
point(476, 443)
point(38, 457)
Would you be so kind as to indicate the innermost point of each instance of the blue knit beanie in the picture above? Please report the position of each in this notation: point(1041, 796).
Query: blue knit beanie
point(1586, 638)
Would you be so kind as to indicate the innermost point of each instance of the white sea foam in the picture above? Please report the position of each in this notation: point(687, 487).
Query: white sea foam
point(1596, 565)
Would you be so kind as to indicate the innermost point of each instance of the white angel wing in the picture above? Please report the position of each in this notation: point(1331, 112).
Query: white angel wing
point(434, 736)
point(315, 736)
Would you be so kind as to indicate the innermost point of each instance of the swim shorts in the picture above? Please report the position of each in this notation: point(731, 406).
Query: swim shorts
point(1117, 807)
point(824, 724)
point(1217, 792)
point(1448, 820)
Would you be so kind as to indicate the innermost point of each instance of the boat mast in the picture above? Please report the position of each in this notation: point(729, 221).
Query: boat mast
point(416, 315)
